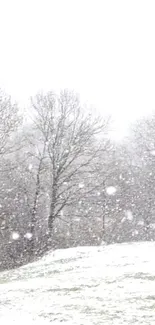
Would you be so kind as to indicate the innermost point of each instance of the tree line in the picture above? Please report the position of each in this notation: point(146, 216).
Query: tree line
point(65, 183)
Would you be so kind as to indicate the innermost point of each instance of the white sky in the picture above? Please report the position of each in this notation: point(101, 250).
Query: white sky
point(103, 49)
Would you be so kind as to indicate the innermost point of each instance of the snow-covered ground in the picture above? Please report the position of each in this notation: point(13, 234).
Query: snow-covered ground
point(88, 285)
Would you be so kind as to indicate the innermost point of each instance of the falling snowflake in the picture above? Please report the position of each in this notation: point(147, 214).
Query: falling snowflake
point(15, 236)
point(135, 232)
point(129, 215)
point(103, 243)
point(28, 235)
point(152, 152)
point(111, 190)
point(140, 223)
point(9, 190)
point(30, 166)
point(123, 219)
point(81, 185)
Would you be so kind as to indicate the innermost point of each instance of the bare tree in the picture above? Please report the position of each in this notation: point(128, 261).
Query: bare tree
point(143, 146)
point(9, 122)
point(10, 194)
point(70, 142)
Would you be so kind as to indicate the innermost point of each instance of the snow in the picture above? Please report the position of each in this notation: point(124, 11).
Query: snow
point(15, 235)
point(112, 285)
point(28, 235)
point(140, 223)
point(30, 166)
point(135, 232)
point(111, 190)
point(81, 185)
point(152, 226)
point(129, 215)
point(152, 152)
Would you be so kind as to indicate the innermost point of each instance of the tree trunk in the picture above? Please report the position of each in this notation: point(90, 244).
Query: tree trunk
point(103, 219)
point(147, 228)
point(51, 217)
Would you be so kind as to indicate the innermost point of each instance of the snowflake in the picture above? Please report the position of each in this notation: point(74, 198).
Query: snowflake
point(152, 226)
point(140, 223)
point(152, 152)
point(15, 236)
point(111, 190)
point(30, 167)
point(81, 185)
point(28, 235)
point(135, 232)
point(129, 215)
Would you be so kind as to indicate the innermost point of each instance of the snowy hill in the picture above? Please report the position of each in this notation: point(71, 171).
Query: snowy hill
point(108, 285)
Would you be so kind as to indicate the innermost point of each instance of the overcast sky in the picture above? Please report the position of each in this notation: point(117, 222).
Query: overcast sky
point(103, 49)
